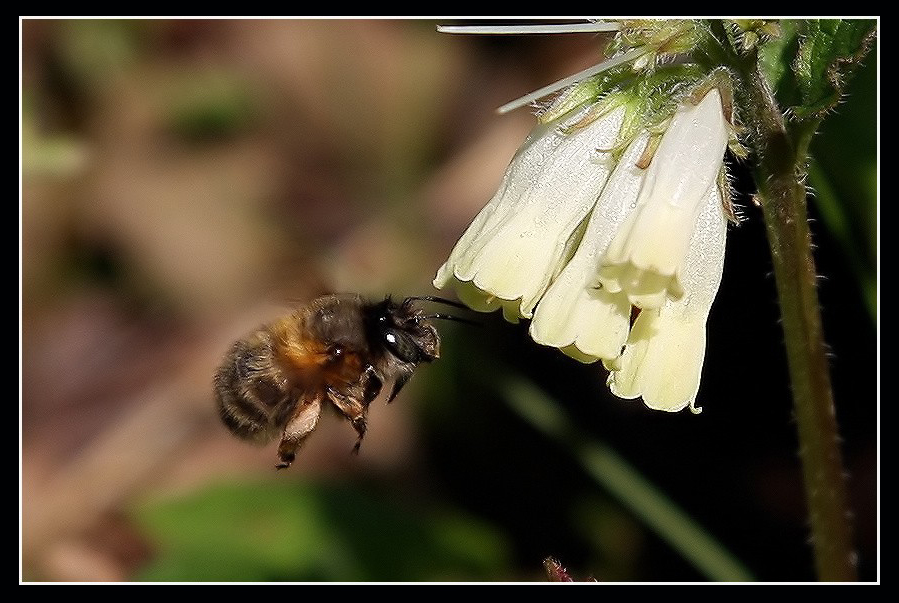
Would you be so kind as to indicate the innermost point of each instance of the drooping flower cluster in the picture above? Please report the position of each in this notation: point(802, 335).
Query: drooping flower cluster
point(596, 217)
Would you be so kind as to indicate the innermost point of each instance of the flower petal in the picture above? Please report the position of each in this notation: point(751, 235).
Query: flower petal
point(663, 359)
point(645, 259)
point(517, 243)
point(574, 312)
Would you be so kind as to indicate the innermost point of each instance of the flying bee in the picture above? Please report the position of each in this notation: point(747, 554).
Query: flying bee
point(340, 349)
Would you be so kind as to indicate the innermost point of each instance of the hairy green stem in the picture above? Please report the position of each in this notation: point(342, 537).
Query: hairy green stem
point(779, 177)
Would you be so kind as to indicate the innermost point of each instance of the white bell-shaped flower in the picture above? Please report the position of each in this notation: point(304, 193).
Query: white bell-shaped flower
point(575, 315)
point(521, 239)
point(662, 361)
point(645, 259)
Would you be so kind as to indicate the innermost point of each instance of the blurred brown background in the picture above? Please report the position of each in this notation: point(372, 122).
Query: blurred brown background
point(185, 181)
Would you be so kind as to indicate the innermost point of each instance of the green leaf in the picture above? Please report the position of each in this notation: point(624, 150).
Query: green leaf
point(276, 530)
point(775, 58)
point(829, 49)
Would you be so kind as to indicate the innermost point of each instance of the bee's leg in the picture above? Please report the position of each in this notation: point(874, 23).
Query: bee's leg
point(352, 409)
point(298, 429)
point(373, 385)
point(401, 380)
point(360, 425)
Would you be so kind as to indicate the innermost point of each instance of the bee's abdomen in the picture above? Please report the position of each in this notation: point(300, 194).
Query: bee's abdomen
point(252, 402)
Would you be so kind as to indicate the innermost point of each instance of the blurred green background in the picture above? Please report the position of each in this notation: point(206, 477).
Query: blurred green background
point(186, 180)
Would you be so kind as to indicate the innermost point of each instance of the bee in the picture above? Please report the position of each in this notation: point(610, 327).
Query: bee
point(337, 349)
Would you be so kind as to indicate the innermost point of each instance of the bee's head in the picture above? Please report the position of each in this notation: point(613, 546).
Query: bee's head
point(405, 331)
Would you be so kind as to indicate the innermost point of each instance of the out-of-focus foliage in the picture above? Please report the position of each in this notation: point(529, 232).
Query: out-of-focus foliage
point(273, 531)
point(210, 105)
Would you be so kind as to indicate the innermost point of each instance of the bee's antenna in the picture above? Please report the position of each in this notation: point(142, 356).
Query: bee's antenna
point(439, 315)
point(454, 318)
point(439, 300)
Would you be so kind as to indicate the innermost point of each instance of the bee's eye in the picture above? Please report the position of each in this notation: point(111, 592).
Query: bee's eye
point(401, 345)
